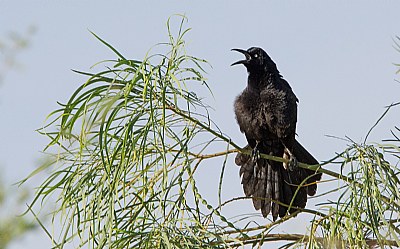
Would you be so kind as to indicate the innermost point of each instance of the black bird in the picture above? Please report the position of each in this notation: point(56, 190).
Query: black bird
point(266, 112)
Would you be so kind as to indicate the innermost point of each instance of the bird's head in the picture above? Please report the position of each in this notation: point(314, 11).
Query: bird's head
point(257, 60)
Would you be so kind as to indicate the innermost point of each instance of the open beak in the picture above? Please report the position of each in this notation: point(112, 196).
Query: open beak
point(246, 61)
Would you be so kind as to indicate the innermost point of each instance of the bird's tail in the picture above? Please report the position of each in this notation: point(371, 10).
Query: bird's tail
point(267, 180)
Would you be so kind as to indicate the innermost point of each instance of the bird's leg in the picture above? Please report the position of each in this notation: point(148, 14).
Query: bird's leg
point(293, 163)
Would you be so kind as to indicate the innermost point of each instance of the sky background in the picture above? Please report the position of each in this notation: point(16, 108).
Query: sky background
point(338, 57)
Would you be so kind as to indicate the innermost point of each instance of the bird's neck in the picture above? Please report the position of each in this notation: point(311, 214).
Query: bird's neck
point(256, 80)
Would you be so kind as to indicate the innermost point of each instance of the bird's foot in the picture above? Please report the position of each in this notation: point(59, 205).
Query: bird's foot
point(292, 163)
point(255, 154)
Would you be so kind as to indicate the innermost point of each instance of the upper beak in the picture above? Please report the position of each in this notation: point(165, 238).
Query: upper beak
point(246, 61)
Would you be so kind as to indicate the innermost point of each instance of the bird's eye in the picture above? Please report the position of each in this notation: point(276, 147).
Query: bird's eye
point(256, 56)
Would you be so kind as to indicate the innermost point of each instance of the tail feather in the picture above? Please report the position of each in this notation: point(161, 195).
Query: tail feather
point(277, 190)
point(287, 190)
point(304, 156)
point(259, 190)
point(268, 192)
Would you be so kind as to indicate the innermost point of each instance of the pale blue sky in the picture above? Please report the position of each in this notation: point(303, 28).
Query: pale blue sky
point(337, 56)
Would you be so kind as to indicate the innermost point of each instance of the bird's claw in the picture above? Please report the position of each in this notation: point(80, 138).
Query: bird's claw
point(293, 163)
point(255, 154)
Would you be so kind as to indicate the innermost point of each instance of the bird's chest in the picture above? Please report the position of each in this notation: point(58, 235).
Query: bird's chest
point(255, 112)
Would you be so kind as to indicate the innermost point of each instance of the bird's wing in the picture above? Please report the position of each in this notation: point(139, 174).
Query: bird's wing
point(280, 110)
